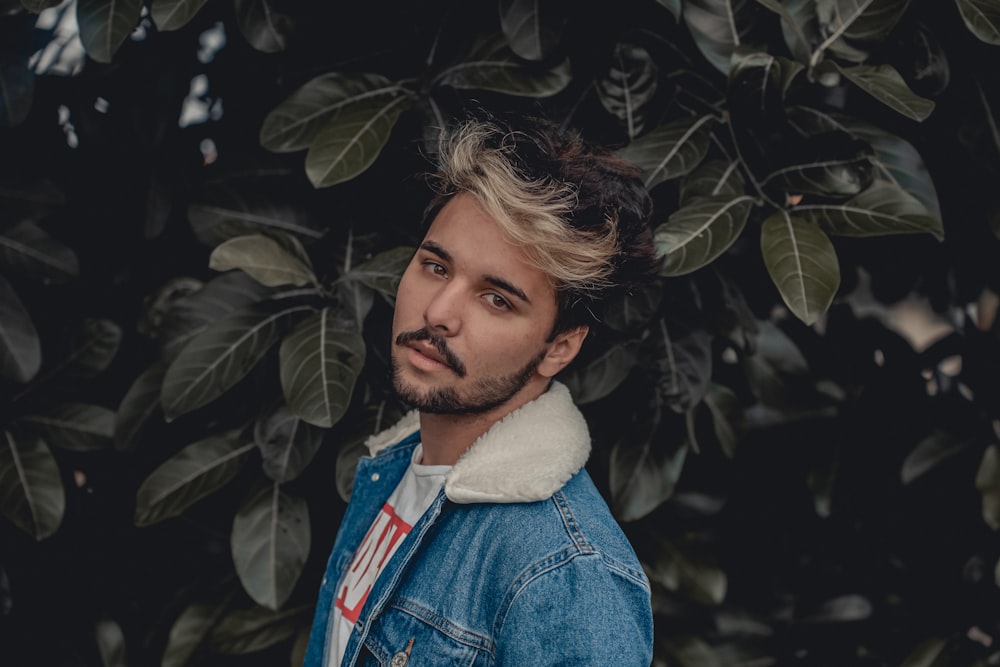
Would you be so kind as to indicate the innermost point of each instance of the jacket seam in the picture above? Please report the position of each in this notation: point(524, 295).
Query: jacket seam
point(570, 522)
point(617, 567)
point(443, 625)
point(548, 564)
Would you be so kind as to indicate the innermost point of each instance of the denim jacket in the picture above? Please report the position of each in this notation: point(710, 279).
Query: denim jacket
point(518, 560)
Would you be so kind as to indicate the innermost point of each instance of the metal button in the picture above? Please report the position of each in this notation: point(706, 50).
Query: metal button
point(375, 476)
point(399, 660)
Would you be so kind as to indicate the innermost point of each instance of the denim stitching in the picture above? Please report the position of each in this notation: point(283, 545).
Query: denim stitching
point(443, 625)
point(572, 527)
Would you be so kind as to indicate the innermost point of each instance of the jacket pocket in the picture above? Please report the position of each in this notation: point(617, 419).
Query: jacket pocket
point(398, 638)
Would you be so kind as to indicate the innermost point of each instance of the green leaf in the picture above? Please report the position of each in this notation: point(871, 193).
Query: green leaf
point(294, 124)
point(352, 446)
point(930, 452)
point(859, 21)
point(758, 83)
point(727, 416)
point(672, 6)
point(17, 93)
point(629, 86)
point(38, 6)
point(356, 300)
point(93, 348)
point(265, 260)
point(690, 651)
point(632, 311)
point(193, 313)
point(988, 485)
point(193, 473)
point(681, 359)
point(895, 160)
point(878, 211)
point(833, 165)
point(842, 609)
point(982, 18)
point(270, 544)
point(174, 14)
point(698, 233)
point(601, 376)
point(493, 66)
point(220, 356)
point(299, 647)
point(779, 350)
point(105, 25)
point(251, 630)
point(885, 84)
point(263, 26)
point(28, 250)
point(140, 403)
point(110, 642)
point(287, 443)
point(670, 150)
point(531, 27)
point(688, 572)
point(798, 25)
point(20, 347)
point(190, 632)
point(926, 653)
point(228, 211)
point(33, 497)
point(383, 271)
point(719, 27)
point(79, 427)
point(802, 263)
point(710, 179)
point(320, 363)
point(349, 143)
point(642, 477)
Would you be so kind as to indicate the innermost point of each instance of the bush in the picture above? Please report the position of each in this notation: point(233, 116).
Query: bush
point(206, 209)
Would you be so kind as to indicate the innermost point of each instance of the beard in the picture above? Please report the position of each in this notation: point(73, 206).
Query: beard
point(485, 393)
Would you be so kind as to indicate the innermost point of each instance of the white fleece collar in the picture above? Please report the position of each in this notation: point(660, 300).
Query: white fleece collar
point(526, 456)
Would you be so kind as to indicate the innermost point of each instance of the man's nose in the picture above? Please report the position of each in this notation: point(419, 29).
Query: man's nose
point(443, 313)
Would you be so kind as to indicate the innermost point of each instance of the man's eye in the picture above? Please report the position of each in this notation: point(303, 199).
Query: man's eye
point(436, 269)
point(498, 301)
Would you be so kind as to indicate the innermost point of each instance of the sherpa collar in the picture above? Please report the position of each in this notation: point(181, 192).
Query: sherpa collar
point(526, 456)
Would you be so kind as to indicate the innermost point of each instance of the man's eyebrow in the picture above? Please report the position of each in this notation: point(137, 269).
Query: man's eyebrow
point(435, 249)
point(507, 287)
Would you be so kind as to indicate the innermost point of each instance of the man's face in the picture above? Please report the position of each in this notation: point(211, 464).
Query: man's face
point(472, 318)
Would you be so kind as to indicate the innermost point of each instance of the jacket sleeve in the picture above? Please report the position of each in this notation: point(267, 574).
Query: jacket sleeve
point(586, 611)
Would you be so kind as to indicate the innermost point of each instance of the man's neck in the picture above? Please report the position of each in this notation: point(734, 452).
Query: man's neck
point(445, 438)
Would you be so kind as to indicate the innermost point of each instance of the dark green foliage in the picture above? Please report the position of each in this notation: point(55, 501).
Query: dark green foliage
point(202, 227)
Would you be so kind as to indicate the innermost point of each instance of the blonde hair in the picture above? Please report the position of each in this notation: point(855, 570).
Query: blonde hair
point(531, 211)
point(579, 212)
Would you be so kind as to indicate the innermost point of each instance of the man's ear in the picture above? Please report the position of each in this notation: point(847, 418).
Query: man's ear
point(562, 350)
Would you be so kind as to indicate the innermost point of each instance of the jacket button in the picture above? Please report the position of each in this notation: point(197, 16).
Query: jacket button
point(399, 660)
point(375, 476)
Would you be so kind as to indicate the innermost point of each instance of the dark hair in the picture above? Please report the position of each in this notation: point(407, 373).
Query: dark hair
point(580, 211)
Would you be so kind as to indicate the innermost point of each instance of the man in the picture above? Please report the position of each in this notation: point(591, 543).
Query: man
point(474, 535)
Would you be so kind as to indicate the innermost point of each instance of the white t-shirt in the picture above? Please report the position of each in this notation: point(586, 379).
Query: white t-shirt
point(410, 499)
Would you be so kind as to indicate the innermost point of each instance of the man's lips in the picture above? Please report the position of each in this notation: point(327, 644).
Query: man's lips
point(429, 352)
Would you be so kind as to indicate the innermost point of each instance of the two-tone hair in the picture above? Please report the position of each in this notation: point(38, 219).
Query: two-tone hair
point(579, 212)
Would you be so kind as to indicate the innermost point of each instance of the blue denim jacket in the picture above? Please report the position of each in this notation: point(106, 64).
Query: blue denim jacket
point(518, 561)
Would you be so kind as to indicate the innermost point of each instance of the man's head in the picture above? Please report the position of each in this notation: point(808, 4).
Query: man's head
point(529, 228)
point(580, 211)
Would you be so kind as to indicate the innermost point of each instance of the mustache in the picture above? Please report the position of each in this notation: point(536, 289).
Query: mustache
point(437, 342)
